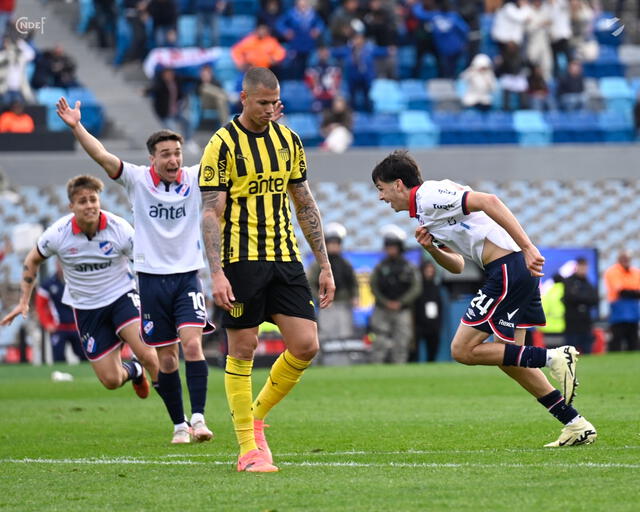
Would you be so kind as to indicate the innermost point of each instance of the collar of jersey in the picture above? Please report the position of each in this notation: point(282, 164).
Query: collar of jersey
point(102, 223)
point(236, 121)
point(157, 179)
point(413, 207)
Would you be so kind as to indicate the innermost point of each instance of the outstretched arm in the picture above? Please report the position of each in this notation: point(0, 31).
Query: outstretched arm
point(93, 147)
point(29, 272)
point(308, 217)
point(498, 211)
point(213, 202)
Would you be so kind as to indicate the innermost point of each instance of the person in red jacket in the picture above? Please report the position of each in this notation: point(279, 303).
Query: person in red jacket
point(57, 318)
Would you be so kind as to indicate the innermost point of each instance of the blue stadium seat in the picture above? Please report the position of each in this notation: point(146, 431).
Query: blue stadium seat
point(363, 133)
point(387, 97)
point(307, 126)
point(415, 92)
point(428, 67)
point(234, 28)
point(224, 67)
point(617, 94)
point(616, 126)
point(580, 126)
point(420, 131)
point(607, 64)
point(380, 129)
point(500, 129)
point(296, 96)
point(187, 30)
point(50, 95)
point(532, 128)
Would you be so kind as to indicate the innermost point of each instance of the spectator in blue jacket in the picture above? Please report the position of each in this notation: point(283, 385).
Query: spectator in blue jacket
point(449, 33)
point(301, 27)
point(358, 62)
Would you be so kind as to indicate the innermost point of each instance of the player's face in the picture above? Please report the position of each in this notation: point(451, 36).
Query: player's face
point(167, 159)
point(85, 205)
point(391, 193)
point(258, 106)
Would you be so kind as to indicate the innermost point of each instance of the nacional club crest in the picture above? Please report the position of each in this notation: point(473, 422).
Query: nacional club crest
point(237, 310)
point(148, 327)
point(283, 154)
point(106, 247)
point(183, 190)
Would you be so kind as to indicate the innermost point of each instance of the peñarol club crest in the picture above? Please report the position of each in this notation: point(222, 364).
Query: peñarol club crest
point(237, 309)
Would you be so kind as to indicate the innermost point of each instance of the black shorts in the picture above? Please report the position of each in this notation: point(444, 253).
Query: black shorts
point(265, 288)
point(508, 300)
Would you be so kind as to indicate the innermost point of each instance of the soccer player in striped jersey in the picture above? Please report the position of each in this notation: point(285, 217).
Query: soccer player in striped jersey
point(94, 248)
point(249, 170)
point(167, 256)
point(456, 223)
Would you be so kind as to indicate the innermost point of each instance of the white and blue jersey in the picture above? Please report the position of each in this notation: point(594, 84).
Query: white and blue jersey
point(96, 270)
point(167, 219)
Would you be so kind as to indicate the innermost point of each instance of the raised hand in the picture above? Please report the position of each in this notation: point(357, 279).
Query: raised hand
point(20, 309)
point(277, 112)
point(71, 116)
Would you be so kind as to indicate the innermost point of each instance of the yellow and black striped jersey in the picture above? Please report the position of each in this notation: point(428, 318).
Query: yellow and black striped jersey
point(254, 169)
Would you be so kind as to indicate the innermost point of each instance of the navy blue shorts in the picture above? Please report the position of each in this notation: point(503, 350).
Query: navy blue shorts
point(169, 302)
point(99, 328)
point(265, 288)
point(509, 299)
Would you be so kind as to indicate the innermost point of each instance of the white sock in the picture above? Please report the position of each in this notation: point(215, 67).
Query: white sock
point(551, 352)
point(574, 420)
point(197, 417)
point(138, 368)
point(179, 426)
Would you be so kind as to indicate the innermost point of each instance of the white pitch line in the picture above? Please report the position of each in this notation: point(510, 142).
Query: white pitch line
point(432, 465)
point(490, 451)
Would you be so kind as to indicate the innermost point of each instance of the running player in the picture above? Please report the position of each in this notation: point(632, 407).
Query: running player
point(457, 223)
point(249, 170)
point(167, 257)
point(94, 248)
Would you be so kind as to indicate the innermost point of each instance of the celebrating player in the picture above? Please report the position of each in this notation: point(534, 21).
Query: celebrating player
point(167, 257)
point(249, 170)
point(456, 222)
point(94, 248)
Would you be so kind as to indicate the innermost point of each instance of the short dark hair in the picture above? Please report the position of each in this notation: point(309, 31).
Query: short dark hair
point(398, 165)
point(581, 260)
point(259, 76)
point(84, 181)
point(161, 136)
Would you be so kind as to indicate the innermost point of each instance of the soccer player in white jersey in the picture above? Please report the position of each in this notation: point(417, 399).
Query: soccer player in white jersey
point(94, 248)
point(456, 223)
point(167, 257)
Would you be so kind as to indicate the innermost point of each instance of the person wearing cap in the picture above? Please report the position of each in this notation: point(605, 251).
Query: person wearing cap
point(336, 321)
point(480, 82)
point(395, 284)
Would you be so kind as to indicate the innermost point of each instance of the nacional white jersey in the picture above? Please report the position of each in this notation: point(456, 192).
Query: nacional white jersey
point(441, 207)
point(96, 270)
point(166, 217)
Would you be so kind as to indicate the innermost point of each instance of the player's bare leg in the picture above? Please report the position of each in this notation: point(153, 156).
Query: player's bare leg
point(147, 356)
point(110, 370)
point(197, 372)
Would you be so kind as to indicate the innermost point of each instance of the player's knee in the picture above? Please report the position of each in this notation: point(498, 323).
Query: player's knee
point(111, 381)
point(461, 354)
point(168, 362)
point(305, 350)
point(192, 349)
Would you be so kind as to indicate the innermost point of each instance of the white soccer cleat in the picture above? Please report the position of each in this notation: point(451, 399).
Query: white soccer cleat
point(563, 369)
point(181, 435)
point(200, 431)
point(579, 432)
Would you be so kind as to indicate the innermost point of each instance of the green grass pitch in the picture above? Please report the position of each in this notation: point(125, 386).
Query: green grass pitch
point(379, 438)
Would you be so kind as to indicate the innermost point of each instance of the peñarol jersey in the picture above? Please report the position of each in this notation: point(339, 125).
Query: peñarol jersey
point(96, 271)
point(254, 169)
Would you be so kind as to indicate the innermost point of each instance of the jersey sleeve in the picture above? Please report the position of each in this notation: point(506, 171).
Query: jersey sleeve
point(443, 199)
point(129, 173)
point(299, 167)
point(216, 165)
point(48, 243)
